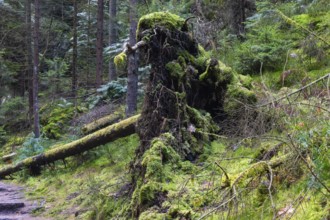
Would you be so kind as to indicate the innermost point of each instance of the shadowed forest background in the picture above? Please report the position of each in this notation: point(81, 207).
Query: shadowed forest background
point(167, 109)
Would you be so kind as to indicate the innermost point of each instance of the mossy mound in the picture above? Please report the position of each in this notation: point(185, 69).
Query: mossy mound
point(162, 19)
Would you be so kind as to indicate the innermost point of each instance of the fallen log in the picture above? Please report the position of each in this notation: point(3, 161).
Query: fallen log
point(101, 123)
point(8, 158)
point(103, 136)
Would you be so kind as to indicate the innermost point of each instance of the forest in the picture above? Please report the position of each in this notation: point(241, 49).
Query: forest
point(164, 109)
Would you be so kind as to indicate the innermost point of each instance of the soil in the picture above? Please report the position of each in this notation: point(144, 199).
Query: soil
point(13, 206)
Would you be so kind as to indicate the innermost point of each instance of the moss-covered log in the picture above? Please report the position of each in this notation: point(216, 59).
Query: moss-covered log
point(8, 158)
point(101, 123)
point(103, 136)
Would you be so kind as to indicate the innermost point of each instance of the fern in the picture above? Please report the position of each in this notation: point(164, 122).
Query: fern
point(59, 117)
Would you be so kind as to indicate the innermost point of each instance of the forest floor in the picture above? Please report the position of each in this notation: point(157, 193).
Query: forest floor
point(13, 205)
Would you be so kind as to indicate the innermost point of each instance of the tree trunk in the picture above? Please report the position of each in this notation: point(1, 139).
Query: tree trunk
point(88, 42)
point(29, 56)
point(238, 16)
point(36, 69)
point(106, 135)
point(74, 54)
point(132, 77)
point(112, 36)
point(99, 43)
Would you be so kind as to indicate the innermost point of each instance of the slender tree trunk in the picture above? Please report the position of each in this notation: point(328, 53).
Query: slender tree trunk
point(238, 16)
point(29, 56)
point(74, 53)
point(88, 42)
point(99, 42)
point(36, 69)
point(112, 36)
point(132, 78)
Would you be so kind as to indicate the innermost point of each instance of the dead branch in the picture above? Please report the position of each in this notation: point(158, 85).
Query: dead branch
point(297, 91)
point(306, 163)
point(130, 49)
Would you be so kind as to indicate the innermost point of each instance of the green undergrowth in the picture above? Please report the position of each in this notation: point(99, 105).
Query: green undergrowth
point(93, 185)
point(85, 186)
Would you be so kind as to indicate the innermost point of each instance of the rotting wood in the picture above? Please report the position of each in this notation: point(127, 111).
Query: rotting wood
point(121, 129)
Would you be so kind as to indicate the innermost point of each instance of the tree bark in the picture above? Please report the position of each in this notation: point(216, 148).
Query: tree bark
point(88, 42)
point(74, 54)
point(29, 56)
point(238, 16)
point(36, 69)
point(121, 129)
point(132, 77)
point(99, 42)
point(113, 37)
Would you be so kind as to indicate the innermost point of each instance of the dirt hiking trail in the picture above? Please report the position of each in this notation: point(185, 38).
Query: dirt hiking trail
point(13, 206)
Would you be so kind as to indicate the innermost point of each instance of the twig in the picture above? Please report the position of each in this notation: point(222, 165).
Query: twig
point(269, 189)
point(212, 134)
point(306, 163)
point(227, 182)
point(328, 88)
point(311, 105)
point(130, 49)
point(216, 208)
point(299, 199)
point(290, 21)
point(299, 90)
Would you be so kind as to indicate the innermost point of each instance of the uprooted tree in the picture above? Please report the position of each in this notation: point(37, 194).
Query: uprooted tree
point(188, 94)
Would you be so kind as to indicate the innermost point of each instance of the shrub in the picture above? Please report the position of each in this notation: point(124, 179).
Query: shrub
point(30, 147)
point(55, 121)
point(265, 48)
point(111, 91)
point(12, 115)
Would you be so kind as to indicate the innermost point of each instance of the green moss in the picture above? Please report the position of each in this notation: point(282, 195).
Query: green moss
point(206, 73)
point(202, 52)
point(120, 60)
point(149, 192)
point(217, 72)
point(12, 143)
point(180, 211)
point(245, 80)
point(163, 19)
point(90, 184)
point(236, 97)
point(152, 214)
point(155, 158)
point(202, 120)
point(175, 69)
